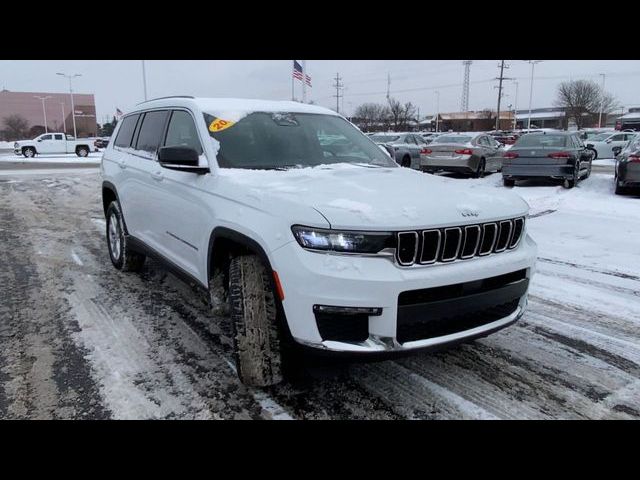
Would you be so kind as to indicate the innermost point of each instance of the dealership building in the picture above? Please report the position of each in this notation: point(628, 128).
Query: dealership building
point(57, 109)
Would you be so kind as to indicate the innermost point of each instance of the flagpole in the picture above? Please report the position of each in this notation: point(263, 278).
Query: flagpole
point(292, 85)
point(304, 83)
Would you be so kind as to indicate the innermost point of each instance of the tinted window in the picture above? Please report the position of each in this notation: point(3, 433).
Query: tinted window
point(45, 137)
point(182, 132)
point(125, 134)
point(384, 138)
point(542, 140)
point(58, 136)
point(618, 138)
point(152, 130)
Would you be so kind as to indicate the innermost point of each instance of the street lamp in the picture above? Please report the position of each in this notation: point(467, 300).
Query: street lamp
point(64, 120)
point(44, 112)
point(73, 108)
point(515, 106)
point(533, 64)
point(144, 80)
point(601, 101)
point(437, 108)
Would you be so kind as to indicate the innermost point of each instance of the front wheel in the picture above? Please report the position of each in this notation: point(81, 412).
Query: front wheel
point(254, 316)
point(29, 152)
point(481, 168)
point(122, 257)
point(595, 153)
point(406, 162)
point(508, 182)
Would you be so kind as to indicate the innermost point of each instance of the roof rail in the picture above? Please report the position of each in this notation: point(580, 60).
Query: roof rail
point(162, 98)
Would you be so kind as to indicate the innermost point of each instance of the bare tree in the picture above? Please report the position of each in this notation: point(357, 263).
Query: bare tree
point(17, 127)
point(400, 114)
point(582, 101)
point(372, 116)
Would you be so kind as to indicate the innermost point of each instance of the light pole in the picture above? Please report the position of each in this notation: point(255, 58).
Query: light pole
point(533, 64)
point(515, 107)
point(44, 111)
point(144, 80)
point(73, 108)
point(437, 109)
point(601, 101)
point(64, 120)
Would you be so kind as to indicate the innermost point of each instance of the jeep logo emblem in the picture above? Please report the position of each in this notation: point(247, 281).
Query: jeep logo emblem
point(468, 212)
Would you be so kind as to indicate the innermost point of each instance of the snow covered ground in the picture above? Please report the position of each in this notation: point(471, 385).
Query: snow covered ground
point(79, 339)
point(93, 157)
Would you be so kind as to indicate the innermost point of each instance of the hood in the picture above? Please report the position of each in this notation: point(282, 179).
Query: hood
point(354, 197)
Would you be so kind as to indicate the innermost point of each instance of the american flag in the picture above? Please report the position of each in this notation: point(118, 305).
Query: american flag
point(297, 73)
point(118, 113)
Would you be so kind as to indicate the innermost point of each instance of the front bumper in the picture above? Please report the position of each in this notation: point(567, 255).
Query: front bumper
point(310, 278)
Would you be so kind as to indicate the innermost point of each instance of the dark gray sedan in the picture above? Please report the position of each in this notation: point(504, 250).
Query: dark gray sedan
point(406, 147)
point(559, 155)
point(627, 174)
point(471, 153)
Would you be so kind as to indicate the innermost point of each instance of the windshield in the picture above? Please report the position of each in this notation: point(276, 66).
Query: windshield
point(262, 140)
point(542, 140)
point(384, 138)
point(601, 137)
point(452, 139)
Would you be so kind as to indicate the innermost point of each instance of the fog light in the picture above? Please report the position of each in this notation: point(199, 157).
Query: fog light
point(375, 311)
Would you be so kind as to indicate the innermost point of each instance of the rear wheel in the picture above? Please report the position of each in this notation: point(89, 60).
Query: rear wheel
point(82, 151)
point(406, 161)
point(254, 316)
point(620, 190)
point(508, 182)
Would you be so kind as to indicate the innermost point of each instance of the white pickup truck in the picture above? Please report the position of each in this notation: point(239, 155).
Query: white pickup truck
point(51, 143)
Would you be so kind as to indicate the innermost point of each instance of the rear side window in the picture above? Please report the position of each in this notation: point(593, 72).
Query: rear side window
point(182, 132)
point(58, 136)
point(125, 134)
point(152, 131)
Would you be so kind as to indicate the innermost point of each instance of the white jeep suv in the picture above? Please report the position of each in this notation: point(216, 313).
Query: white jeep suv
point(309, 233)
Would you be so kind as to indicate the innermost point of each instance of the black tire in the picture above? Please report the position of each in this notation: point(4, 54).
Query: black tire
point(254, 315)
point(29, 152)
point(572, 182)
point(479, 173)
point(406, 161)
point(588, 174)
point(82, 151)
point(122, 257)
point(508, 182)
point(595, 153)
point(620, 190)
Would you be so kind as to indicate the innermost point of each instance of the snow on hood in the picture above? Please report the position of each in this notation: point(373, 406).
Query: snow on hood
point(355, 197)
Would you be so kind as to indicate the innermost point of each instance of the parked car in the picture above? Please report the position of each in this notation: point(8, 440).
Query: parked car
point(627, 170)
point(308, 248)
point(406, 147)
point(589, 133)
point(101, 142)
point(560, 155)
point(471, 153)
point(52, 143)
point(505, 137)
point(603, 143)
point(430, 136)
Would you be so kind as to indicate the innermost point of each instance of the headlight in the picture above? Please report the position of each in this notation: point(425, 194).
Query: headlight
point(342, 241)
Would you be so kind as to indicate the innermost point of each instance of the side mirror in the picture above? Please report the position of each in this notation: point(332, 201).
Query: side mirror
point(39, 139)
point(183, 159)
point(609, 141)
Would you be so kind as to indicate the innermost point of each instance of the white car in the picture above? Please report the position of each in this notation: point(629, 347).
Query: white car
point(603, 143)
point(309, 243)
point(52, 143)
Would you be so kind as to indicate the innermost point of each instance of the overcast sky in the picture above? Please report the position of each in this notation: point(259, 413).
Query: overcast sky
point(118, 83)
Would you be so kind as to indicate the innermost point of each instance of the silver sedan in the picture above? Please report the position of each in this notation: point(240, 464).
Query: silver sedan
point(470, 153)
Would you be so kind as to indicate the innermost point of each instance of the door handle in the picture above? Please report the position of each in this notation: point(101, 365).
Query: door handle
point(122, 164)
point(157, 176)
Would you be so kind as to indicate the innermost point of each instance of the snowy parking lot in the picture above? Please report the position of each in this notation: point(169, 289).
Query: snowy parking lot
point(79, 339)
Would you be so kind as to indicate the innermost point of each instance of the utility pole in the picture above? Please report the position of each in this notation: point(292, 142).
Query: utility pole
point(144, 80)
point(437, 109)
point(464, 104)
point(515, 107)
point(73, 108)
point(44, 111)
point(601, 101)
point(64, 120)
point(501, 79)
point(533, 64)
point(338, 86)
point(388, 86)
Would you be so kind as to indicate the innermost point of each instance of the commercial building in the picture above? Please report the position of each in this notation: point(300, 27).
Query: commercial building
point(472, 121)
point(57, 108)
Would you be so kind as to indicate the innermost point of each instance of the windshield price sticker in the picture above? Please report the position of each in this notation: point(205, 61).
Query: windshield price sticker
point(219, 124)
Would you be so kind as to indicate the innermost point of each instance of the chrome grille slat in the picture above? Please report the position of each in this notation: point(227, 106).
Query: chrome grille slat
point(447, 244)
